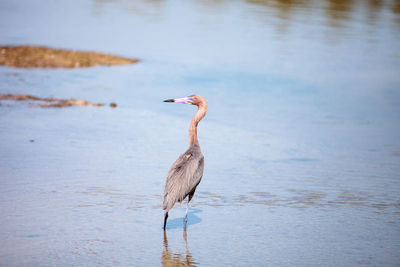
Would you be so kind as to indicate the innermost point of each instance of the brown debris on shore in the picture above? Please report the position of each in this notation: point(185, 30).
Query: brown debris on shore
point(45, 57)
point(52, 102)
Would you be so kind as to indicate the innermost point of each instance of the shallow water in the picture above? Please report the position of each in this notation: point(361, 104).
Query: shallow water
point(301, 140)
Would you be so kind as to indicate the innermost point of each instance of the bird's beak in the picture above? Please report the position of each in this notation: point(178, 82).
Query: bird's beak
point(184, 100)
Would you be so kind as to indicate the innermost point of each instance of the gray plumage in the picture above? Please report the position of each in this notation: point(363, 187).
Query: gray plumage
point(183, 177)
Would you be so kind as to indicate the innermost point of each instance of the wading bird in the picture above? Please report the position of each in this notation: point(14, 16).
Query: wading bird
point(186, 172)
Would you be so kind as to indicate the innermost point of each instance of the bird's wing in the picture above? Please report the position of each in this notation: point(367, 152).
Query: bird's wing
point(184, 175)
point(198, 174)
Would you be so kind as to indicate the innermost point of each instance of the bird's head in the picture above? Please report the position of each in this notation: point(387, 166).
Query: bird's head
point(192, 99)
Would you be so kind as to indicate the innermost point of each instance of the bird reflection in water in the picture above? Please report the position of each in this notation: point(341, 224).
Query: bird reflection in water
point(169, 258)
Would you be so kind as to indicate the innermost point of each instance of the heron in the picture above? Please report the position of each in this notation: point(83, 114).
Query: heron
point(186, 172)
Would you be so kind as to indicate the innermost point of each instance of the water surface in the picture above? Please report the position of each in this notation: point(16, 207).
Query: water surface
point(301, 140)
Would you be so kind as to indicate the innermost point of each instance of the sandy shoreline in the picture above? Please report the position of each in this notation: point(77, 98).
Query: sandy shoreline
point(51, 102)
point(45, 57)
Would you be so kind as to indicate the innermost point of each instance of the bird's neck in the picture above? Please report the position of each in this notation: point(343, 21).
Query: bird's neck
point(201, 112)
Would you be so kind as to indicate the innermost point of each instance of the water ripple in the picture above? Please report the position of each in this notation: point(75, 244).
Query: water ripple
point(293, 198)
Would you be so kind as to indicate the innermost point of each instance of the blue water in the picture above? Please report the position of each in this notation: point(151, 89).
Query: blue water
point(301, 140)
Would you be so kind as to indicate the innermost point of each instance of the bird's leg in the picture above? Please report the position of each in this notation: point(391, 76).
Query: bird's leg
point(165, 219)
point(185, 219)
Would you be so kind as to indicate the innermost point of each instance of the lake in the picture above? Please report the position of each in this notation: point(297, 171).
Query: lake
point(301, 140)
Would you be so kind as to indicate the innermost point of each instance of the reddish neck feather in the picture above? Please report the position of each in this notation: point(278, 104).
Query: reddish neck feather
point(201, 112)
